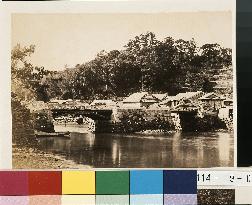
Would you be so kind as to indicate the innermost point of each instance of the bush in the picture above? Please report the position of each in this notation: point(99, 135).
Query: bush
point(22, 125)
point(137, 123)
point(42, 122)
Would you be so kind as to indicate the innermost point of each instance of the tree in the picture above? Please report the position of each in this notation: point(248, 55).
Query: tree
point(143, 50)
point(22, 124)
point(211, 55)
point(26, 75)
point(144, 64)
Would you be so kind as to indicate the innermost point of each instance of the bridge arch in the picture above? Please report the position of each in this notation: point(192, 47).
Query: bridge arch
point(101, 118)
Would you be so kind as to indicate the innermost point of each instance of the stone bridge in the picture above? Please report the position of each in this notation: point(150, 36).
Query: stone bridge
point(101, 117)
point(90, 113)
point(107, 119)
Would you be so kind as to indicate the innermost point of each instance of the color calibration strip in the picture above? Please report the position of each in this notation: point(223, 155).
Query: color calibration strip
point(109, 187)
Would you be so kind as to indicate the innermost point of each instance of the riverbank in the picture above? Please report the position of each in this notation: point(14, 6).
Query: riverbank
point(29, 158)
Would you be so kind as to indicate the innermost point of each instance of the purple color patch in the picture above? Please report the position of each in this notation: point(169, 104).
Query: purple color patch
point(180, 199)
point(12, 200)
point(13, 183)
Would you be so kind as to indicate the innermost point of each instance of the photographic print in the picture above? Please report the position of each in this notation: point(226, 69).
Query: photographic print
point(216, 196)
point(122, 90)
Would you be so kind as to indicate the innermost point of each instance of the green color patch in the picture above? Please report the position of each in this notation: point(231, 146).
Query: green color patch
point(112, 182)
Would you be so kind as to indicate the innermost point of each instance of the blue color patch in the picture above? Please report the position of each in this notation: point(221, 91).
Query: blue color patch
point(180, 182)
point(146, 182)
point(146, 199)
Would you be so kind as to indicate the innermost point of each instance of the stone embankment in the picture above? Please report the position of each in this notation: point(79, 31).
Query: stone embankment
point(141, 120)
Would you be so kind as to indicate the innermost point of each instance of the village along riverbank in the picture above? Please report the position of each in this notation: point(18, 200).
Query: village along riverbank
point(190, 111)
point(119, 123)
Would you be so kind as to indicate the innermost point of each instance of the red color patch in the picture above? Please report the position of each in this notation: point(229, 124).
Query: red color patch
point(13, 183)
point(44, 183)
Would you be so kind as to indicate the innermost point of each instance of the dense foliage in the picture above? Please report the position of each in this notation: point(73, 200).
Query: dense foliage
point(137, 123)
point(22, 125)
point(145, 63)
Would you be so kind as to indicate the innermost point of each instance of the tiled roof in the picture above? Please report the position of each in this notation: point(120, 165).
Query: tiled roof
point(135, 97)
point(187, 95)
point(212, 96)
point(160, 96)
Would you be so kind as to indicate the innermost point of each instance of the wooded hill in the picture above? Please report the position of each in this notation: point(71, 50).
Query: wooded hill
point(145, 63)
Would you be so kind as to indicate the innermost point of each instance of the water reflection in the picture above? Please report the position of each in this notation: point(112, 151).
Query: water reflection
point(213, 149)
point(116, 153)
point(224, 148)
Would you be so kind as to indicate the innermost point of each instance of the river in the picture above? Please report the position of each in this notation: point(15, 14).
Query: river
point(211, 149)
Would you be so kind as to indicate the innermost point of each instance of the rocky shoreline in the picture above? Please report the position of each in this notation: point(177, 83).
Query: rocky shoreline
point(29, 158)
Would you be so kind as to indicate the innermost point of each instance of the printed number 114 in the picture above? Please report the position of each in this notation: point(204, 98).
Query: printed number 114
point(203, 177)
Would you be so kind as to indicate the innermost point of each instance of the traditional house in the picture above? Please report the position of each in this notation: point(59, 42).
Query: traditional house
point(189, 95)
point(173, 101)
point(160, 96)
point(103, 104)
point(186, 107)
point(169, 102)
point(190, 107)
point(212, 101)
point(140, 99)
point(226, 112)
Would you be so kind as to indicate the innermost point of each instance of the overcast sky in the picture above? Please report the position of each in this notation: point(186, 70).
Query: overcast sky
point(72, 39)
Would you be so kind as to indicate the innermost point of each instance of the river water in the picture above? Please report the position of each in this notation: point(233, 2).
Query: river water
point(211, 149)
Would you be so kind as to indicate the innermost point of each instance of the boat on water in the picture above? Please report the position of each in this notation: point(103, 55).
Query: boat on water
point(40, 134)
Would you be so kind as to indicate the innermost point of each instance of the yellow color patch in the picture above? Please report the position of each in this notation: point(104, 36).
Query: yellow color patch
point(78, 182)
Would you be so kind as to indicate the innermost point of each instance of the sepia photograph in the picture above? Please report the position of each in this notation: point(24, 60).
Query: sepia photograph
point(122, 90)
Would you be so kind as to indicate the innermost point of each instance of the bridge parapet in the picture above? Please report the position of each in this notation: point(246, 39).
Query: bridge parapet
point(94, 114)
